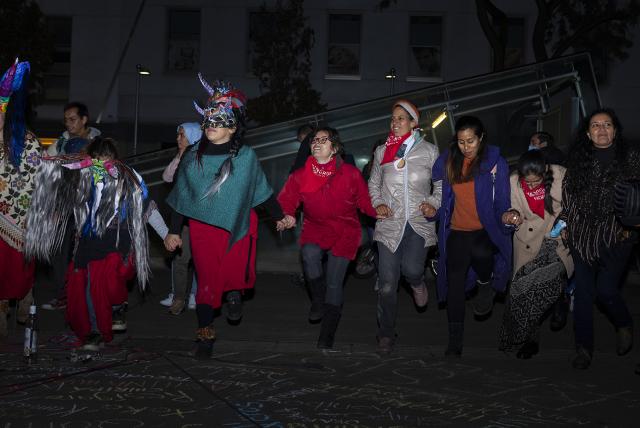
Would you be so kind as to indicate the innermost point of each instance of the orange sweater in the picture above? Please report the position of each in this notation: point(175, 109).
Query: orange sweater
point(465, 215)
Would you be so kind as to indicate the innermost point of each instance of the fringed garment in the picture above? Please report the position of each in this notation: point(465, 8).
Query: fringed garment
point(534, 289)
point(588, 203)
point(16, 188)
point(102, 196)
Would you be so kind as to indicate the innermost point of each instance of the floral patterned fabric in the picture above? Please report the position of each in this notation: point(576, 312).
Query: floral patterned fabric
point(16, 186)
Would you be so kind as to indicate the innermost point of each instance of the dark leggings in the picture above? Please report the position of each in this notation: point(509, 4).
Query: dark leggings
point(465, 249)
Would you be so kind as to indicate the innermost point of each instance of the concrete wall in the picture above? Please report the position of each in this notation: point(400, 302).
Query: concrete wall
point(100, 30)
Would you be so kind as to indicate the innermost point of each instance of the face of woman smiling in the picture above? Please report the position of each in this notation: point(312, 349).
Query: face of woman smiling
point(401, 122)
point(468, 142)
point(322, 148)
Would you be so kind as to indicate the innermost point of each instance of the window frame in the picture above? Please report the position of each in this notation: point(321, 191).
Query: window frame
point(166, 67)
point(342, 76)
point(429, 79)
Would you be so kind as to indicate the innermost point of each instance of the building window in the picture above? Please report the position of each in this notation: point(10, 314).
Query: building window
point(259, 23)
point(514, 52)
point(183, 47)
point(56, 79)
point(344, 44)
point(425, 46)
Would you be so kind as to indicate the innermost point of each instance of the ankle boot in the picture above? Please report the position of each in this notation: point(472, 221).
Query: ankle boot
point(456, 337)
point(23, 307)
point(4, 313)
point(329, 326)
point(205, 336)
point(318, 288)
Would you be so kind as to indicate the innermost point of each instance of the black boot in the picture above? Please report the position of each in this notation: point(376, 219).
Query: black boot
point(318, 288)
point(329, 326)
point(559, 313)
point(456, 337)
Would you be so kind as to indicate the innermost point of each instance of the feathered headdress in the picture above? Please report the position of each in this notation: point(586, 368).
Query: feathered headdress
point(14, 82)
point(223, 98)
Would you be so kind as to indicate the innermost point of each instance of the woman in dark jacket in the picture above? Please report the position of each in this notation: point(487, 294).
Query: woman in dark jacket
point(600, 244)
point(471, 236)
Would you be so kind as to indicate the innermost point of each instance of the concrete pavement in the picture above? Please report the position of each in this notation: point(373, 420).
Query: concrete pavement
point(267, 372)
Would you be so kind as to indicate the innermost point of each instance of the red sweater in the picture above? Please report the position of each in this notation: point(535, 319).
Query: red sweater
point(331, 213)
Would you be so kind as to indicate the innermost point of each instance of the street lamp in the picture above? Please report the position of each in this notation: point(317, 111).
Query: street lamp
point(140, 71)
point(391, 75)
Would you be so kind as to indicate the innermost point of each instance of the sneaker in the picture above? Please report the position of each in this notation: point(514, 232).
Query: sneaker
point(624, 340)
point(192, 301)
point(582, 360)
point(55, 304)
point(234, 306)
point(177, 307)
point(119, 320)
point(483, 301)
point(385, 345)
point(93, 342)
point(168, 301)
point(420, 295)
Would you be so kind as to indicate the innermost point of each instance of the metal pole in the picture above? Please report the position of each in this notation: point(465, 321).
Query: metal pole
point(114, 77)
point(137, 112)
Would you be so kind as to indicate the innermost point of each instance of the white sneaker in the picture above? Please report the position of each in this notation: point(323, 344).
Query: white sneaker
point(192, 301)
point(168, 301)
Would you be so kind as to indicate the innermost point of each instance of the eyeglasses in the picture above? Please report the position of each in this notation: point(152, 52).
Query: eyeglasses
point(319, 140)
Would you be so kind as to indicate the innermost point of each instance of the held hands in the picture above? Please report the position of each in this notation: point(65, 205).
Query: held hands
point(172, 241)
point(383, 211)
point(287, 222)
point(427, 209)
point(512, 218)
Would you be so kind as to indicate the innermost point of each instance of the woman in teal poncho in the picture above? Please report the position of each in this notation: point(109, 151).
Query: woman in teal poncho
point(218, 185)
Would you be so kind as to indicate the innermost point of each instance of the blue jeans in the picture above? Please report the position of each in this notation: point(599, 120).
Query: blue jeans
point(408, 260)
point(600, 281)
point(336, 270)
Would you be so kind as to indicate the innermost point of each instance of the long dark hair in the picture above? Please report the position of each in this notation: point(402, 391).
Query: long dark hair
point(236, 141)
point(456, 158)
point(16, 122)
point(534, 162)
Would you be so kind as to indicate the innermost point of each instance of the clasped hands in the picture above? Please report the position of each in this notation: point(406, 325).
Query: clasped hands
point(383, 211)
point(287, 222)
point(172, 241)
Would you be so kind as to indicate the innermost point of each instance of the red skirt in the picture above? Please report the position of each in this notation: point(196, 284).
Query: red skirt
point(16, 276)
point(108, 278)
point(218, 268)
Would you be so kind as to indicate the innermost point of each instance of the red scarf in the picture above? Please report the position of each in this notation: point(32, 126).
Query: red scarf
point(534, 197)
point(315, 175)
point(393, 143)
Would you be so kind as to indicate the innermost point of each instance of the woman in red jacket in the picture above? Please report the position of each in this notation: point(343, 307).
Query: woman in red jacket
point(331, 192)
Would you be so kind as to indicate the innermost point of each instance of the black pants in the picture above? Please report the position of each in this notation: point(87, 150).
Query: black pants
point(464, 250)
point(600, 282)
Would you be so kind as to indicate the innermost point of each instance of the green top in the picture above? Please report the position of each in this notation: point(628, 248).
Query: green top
point(245, 188)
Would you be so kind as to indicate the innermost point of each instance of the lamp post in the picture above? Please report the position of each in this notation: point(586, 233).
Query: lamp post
point(391, 75)
point(140, 71)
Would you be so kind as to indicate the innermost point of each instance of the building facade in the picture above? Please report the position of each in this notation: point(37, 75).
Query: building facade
point(360, 52)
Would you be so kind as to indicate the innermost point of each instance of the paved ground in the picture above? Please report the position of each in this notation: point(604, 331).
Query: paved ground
point(267, 372)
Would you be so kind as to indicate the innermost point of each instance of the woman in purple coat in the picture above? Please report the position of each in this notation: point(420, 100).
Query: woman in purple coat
point(474, 245)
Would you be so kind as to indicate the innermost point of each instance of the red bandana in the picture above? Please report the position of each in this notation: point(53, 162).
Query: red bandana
point(315, 175)
point(534, 197)
point(393, 143)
